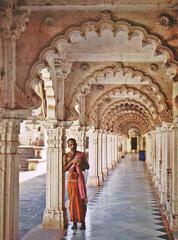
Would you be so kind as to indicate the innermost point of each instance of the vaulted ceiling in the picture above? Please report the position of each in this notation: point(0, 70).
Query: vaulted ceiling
point(113, 69)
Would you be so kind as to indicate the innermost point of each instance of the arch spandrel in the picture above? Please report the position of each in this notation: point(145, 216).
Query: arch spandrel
point(123, 115)
point(157, 109)
point(124, 79)
point(77, 45)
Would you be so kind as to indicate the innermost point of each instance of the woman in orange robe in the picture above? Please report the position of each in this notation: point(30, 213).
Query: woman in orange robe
point(75, 162)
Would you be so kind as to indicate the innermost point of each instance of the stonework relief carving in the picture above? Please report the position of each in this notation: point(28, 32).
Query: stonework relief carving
point(120, 94)
point(120, 75)
point(9, 133)
point(26, 99)
point(109, 114)
point(51, 217)
point(123, 123)
point(93, 41)
point(50, 26)
point(107, 35)
point(167, 22)
point(15, 21)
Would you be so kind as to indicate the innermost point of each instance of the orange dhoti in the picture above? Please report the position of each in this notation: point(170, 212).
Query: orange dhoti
point(77, 194)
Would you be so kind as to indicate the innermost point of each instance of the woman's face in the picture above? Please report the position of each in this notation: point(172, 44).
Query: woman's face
point(72, 145)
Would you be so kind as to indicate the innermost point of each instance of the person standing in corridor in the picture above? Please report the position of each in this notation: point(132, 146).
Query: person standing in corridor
point(75, 162)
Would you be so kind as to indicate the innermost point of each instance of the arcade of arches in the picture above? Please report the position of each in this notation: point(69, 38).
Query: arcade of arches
point(101, 71)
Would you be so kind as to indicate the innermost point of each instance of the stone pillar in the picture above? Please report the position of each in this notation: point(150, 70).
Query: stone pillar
point(158, 159)
point(113, 150)
point(148, 150)
point(119, 148)
point(93, 179)
point(165, 163)
point(81, 139)
point(104, 155)
point(151, 152)
point(100, 172)
point(55, 213)
point(109, 151)
point(174, 150)
point(116, 148)
point(9, 178)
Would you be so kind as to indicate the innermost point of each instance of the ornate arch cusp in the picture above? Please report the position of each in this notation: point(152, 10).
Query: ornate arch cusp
point(94, 41)
point(119, 75)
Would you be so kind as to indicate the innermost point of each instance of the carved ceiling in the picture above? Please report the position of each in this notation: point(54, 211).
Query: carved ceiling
point(111, 94)
point(114, 66)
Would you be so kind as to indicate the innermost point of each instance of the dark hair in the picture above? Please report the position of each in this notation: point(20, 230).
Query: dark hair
point(71, 139)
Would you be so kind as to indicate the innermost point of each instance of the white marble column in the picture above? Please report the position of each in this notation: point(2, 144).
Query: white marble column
point(116, 148)
point(158, 159)
point(93, 179)
point(55, 212)
point(104, 155)
point(81, 139)
point(165, 163)
point(148, 150)
point(113, 150)
point(151, 152)
point(119, 148)
point(109, 151)
point(100, 166)
point(9, 178)
point(174, 149)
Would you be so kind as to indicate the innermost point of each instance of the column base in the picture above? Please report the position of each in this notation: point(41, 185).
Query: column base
point(114, 164)
point(101, 178)
point(93, 181)
point(110, 167)
point(55, 219)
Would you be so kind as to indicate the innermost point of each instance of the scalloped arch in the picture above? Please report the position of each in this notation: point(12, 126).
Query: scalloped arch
point(142, 100)
point(77, 45)
point(121, 75)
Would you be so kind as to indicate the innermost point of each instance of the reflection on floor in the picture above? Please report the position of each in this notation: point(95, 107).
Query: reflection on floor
point(32, 203)
point(125, 208)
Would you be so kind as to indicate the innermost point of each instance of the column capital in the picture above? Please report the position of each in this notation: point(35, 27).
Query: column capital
point(166, 127)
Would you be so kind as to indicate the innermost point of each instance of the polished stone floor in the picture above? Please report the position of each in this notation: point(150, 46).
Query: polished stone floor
point(32, 203)
point(125, 208)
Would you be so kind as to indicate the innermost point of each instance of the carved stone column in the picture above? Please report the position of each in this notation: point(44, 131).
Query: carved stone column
point(174, 150)
point(93, 179)
point(148, 150)
point(116, 148)
point(151, 152)
point(104, 155)
point(158, 159)
point(81, 139)
point(9, 178)
point(100, 166)
point(55, 212)
point(109, 151)
point(165, 163)
point(113, 150)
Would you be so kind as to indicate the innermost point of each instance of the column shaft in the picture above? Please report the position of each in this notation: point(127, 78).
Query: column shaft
point(55, 212)
point(9, 179)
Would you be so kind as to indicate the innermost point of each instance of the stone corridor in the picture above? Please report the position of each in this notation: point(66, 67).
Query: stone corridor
point(125, 208)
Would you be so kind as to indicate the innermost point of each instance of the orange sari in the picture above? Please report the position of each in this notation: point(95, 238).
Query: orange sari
point(77, 192)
